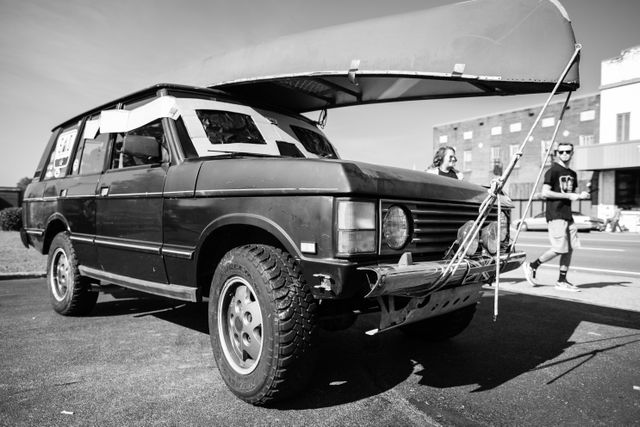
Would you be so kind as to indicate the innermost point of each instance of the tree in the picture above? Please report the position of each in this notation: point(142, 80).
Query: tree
point(22, 184)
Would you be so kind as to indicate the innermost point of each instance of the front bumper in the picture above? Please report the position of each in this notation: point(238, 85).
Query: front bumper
point(417, 279)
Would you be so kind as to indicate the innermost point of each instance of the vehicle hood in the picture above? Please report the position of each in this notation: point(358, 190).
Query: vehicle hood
point(273, 176)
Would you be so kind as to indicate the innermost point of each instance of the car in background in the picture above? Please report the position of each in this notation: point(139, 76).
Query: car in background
point(583, 222)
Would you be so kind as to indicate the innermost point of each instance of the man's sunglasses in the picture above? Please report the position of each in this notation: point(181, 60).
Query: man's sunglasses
point(565, 151)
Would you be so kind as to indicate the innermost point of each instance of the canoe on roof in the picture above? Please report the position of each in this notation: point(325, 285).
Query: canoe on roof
point(474, 48)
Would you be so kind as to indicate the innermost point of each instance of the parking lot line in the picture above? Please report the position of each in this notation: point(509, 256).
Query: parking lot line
point(581, 248)
point(598, 270)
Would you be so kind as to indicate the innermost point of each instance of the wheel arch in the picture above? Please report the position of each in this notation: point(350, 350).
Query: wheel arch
point(230, 231)
point(55, 224)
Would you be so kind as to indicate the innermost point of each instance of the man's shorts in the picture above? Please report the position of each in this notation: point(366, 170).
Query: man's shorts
point(563, 236)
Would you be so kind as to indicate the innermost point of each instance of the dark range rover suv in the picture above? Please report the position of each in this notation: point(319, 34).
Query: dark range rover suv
point(190, 193)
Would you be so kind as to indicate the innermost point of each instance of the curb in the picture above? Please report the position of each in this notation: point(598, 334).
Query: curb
point(22, 275)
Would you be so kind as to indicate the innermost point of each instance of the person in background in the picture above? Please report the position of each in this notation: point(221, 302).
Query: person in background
point(444, 163)
point(614, 220)
point(559, 190)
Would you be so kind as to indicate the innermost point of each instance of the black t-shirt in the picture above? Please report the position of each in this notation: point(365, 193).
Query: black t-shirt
point(450, 174)
point(561, 180)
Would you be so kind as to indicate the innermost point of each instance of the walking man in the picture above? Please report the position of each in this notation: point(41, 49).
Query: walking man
point(559, 190)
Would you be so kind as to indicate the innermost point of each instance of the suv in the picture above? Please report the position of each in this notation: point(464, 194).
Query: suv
point(194, 194)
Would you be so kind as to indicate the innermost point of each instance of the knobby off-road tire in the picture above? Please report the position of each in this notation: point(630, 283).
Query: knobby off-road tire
point(70, 293)
point(262, 320)
point(443, 327)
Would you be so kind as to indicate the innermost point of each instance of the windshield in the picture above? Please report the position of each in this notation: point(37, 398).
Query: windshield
point(314, 142)
point(208, 127)
point(226, 127)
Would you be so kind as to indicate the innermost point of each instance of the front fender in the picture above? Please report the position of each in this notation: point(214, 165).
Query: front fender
point(253, 220)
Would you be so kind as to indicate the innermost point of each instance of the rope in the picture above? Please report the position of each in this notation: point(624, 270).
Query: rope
point(497, 290)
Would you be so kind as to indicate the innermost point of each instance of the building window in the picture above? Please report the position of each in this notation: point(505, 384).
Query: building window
point(622, 126)
point(515, 127)
point(513, 149)
point(466, 160)
point(443, 139)
point(548, 122)
point(496, 130)
point(495, 153)
point(544, 146)
point(467, 135)
point(586, 139)
point(585, 116)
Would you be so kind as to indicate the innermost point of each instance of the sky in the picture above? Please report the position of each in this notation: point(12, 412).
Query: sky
point(61, 58)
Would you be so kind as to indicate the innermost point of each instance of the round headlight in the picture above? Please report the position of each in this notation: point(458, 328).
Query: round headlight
point(396, 227)
point(462, 233)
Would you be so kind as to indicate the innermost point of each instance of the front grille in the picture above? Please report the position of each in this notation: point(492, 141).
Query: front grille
point(435, 225)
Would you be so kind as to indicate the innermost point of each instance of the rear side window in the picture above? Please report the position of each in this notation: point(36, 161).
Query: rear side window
point(225, 127)
point(92, 157)
point(314, 142)
point(61, 154)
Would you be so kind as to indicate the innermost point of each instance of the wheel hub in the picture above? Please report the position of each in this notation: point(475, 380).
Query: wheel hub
point(60, 274)
point(240, 325)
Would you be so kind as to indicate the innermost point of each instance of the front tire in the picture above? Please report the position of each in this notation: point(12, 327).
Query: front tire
point(262, 319)
point(443, 327)
point(70, 292)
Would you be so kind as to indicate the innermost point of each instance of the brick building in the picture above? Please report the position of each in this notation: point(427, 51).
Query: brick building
point(604, 128)
point(485, 145)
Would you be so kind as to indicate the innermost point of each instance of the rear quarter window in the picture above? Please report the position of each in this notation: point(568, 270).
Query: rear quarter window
point(61, 154)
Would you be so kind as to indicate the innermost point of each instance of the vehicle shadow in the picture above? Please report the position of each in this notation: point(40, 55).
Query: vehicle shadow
point(529, 334)
point(117, 301)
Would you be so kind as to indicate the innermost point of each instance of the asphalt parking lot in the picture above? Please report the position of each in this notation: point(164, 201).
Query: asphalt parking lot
point(144, 360)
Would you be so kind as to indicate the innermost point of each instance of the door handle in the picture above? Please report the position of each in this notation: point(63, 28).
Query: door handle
point(104, 191)
point(63, 193)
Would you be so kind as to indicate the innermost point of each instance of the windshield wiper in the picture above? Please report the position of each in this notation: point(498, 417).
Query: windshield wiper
point(240, 153)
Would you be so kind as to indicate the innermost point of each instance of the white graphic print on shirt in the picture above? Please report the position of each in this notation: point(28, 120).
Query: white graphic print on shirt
point(566, 184)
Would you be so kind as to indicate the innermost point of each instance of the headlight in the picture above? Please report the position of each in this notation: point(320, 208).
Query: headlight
point(396, 227)
point(462, 233)
point(356, 227)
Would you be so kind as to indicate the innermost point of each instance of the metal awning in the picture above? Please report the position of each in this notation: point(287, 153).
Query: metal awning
point(614, 155)
point(474, 48)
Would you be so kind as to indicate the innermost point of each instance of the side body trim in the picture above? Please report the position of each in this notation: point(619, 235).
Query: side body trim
point(184, 293)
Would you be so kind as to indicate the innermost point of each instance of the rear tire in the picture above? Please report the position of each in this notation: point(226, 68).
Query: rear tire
point(443, 327)
point(262, 319)
point(70, 292)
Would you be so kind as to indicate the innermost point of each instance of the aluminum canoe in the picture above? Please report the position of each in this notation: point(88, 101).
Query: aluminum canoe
point(473, 48)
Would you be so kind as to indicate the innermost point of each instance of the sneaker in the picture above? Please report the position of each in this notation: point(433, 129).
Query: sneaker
point(529, 274)
point(566, 286)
